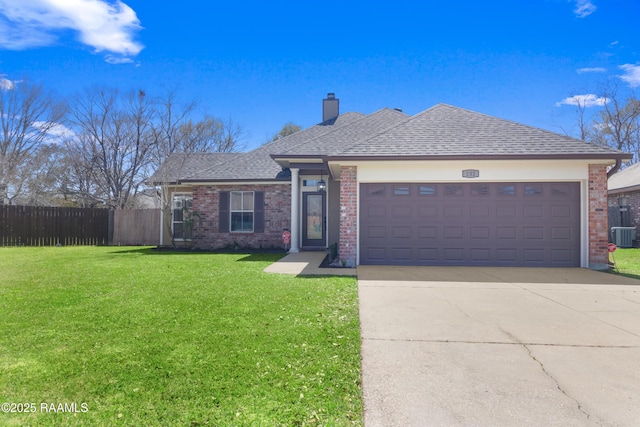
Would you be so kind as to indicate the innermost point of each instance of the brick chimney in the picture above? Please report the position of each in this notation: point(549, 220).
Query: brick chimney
point(330, 107)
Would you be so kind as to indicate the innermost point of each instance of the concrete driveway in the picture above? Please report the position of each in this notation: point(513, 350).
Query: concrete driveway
point(499, 346)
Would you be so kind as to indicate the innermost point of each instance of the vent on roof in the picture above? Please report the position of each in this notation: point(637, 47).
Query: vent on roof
point(330, 107)
point(398, 109)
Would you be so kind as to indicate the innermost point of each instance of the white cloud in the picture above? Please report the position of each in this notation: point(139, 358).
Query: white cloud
point(56, 132)
point(6, 84)
point(118, 59)
point(584, 8)
point(107, 26)
point(588, 100)
point(592, 70)
point(631, 74)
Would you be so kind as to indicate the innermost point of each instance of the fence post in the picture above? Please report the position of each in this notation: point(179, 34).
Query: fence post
point(111, 227)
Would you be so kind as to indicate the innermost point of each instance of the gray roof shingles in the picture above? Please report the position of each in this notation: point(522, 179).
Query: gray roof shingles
point(335, 142)
point(181, 166)
point(444, 130)
point(440, 131)
point(258, 164)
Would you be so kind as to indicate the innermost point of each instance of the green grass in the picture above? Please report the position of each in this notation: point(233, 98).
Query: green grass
point(627, 262)
point(147, 338)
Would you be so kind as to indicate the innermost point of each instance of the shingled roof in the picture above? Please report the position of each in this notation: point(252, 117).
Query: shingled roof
point(447, 131)
point(180, 166)
point(440, 132)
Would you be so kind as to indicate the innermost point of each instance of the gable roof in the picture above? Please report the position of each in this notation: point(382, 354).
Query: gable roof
point(440, 132)
point(627, 179)
point(258, 165)
point(181, 166)
point(338, 140)
point(447, 131)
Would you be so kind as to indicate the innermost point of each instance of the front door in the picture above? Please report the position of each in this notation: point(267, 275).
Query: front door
point(313, 220)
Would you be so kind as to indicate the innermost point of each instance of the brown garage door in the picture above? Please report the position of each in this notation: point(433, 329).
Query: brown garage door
point(501, 224)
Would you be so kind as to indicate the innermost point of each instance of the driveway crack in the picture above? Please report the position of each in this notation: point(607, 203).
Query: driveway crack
point(548, 374)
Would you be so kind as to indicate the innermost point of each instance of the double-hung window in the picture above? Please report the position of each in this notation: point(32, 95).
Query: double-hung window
point(181, 208)
point(242, 211)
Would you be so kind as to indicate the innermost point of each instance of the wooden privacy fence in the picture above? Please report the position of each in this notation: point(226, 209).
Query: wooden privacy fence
point(50, 226)
point(136, 227)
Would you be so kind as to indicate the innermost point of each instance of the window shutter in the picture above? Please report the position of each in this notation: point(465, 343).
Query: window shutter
point(223, 216)
point(258, 212)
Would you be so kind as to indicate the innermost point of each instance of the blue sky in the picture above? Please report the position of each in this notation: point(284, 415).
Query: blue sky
point(267, 63)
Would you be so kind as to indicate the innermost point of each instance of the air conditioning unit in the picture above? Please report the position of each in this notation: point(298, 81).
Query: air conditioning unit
point(623, 237)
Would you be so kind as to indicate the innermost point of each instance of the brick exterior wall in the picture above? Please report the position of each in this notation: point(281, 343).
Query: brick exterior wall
point(348, 215)
point(598, 217)
point(277, 217)
point(633, 207)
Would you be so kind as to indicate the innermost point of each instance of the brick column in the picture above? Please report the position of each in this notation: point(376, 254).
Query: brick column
point(348, 215)
point(598, 218)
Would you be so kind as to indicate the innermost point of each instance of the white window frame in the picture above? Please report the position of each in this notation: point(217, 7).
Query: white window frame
point(242, 210)
point(184, 198)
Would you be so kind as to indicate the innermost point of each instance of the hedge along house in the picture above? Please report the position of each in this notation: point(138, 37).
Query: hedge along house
point(447, 186)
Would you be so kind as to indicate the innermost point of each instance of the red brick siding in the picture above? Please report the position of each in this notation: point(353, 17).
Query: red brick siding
point(277, 217)
point(348, 215)
point(633, 205)
point(598, 221)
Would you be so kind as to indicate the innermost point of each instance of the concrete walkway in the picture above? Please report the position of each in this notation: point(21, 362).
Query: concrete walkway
point(307, 264)
point(499, 347)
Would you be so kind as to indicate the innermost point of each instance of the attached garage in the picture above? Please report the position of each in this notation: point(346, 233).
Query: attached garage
point(476, 224)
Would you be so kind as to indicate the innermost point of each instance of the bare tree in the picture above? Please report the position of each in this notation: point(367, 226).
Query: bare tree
point(28, 117)
point(618, 124)
point(171, 115)
point(115, 140)
point(583, 123)
point(176, 132)
point(42, 172)
point(210, 135)
point(78, 184)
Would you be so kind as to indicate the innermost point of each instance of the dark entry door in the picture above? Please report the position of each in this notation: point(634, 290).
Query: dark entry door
point(313, 220)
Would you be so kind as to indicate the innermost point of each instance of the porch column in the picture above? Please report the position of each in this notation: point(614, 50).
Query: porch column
point(348, 246)
point(598, 218)
point(295, 210)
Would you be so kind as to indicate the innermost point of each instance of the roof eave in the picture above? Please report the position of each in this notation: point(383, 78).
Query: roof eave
point(603, 156)
point(629, 189)
point(234, 181)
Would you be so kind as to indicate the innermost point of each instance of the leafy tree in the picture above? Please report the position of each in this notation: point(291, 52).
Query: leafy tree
point(288, 128)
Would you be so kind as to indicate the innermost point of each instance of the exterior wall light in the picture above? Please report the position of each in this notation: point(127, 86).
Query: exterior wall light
point(322, 185)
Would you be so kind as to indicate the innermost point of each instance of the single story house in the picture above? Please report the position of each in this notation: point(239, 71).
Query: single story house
point(624, 196)
point(446, 186)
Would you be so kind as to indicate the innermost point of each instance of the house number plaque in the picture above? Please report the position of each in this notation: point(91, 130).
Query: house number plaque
point(470, 173)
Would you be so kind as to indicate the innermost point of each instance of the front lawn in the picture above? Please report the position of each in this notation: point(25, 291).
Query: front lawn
point(627, 262)
point(135, 337)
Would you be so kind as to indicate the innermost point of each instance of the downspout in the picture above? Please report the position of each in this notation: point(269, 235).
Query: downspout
point(615, 168)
